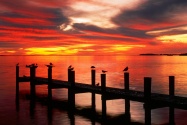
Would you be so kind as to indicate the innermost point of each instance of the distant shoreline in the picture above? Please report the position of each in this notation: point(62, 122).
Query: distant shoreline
point(153, 54)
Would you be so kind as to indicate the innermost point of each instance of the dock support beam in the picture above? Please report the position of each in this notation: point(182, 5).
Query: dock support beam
point(147, 97)
point(103, 96)
point(127, 101)
point(171, 94)
point(93, 93)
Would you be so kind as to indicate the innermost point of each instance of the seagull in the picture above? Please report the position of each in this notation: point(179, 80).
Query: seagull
point(103, 71)
point(17, 64)
point(126, 68)
point(28, 66)
point(50, 63)
point(97, 84)
point(92, 67)
point(70, 67)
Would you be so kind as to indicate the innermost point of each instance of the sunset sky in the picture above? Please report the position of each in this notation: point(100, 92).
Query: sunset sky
point(92, 27)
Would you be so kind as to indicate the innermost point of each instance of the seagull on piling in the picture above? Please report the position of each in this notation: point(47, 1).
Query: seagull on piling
point(50, 63)
point(70, 67)
point(92, 67)
point(126, 69)
point(17, 64)
point(103, 71)
point(28, 66)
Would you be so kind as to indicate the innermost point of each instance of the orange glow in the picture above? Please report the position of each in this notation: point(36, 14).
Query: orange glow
point(182, 38)
point(89, 27)
point(27, 21)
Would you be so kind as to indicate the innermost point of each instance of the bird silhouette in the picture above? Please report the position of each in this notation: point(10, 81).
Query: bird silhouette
point(92, 67)
point(17, 64)
point(97, 84)
point(28, 66)
point(50, 63)
point(126, 68)
point(103, 71)
point(70, 67)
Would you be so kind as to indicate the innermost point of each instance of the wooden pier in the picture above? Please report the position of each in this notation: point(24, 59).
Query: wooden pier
point(150, 100)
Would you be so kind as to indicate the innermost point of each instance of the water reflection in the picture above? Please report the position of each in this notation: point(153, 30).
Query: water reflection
point(159, 68)
point(83, 111)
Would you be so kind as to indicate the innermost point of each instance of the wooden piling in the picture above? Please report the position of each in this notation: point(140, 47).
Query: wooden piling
point(32, 77)
point(17, 83)
point(17, 87)
point(103, 96)
point(71, 90)
point(32, 86)
point(93, 93)
point(147, 97)
point(49, 82)
point(126, 80)
point(127, 101)
point(171, 94)
point(69, 80)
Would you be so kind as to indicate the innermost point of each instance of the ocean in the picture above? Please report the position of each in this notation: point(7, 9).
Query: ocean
point(159, 68)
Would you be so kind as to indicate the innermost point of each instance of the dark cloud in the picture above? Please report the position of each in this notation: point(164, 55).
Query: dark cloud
point(120, 31)
point(38, 38)
point(10, 44)
point(152, 11)
point(85, 27)
point(58, 17)
point(133, 32)
point(13, 15)
point(93, 37)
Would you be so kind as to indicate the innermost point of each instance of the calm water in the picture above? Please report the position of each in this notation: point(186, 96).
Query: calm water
point(157, 67)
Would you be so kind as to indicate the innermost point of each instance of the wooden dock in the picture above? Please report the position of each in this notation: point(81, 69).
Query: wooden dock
point(150, 100)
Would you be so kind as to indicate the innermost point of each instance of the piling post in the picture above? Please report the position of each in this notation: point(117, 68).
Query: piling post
point(49, 82)
point(93, 93)
point(147, 97)
point(171, 94)
point(17, 82)
point(127, 101)
point(103, 96)
point(17, 87)
point(32, 86)
point(32, 77)
point(71, 90)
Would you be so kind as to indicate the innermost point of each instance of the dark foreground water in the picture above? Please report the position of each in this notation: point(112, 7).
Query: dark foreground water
point(157, 67)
